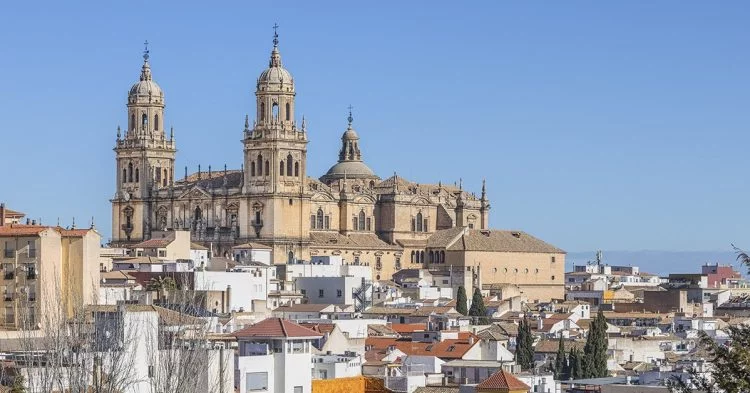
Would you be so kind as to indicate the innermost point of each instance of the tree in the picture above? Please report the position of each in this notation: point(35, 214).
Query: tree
point(478, 310)
point(729, 363)
point(595, 359)
point(461, 301)
point(575, 367)
point(18, 385)
point(561, 361)
point(525, 345)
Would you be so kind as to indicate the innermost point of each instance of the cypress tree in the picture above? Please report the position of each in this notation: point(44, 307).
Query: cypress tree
point(477, 309)
point(561, 361)
point(461, 301)
point(595, 359)
point(525, 345)
point(575, 367)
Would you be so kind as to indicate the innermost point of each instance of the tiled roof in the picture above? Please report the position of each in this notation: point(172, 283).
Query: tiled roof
point(302, 308)
point(494, 333)
point(353, 240)
point(464, 239)
point(276, 328)
point(418, 243)
point(251, 246)
point(380, 331)
point(388, 311)
point(437, 389)
point(503, 380)
point(13, 213)
point(233, 179)
point(31, 230)
point(426, 311)
point(196, 246)
point(446, 349)
point(154, 243)
point(323, 328)
point(550, 346)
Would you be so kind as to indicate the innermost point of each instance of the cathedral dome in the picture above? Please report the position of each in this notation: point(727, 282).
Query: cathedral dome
point(350, 169)
point(145, 87)
point(275, 75)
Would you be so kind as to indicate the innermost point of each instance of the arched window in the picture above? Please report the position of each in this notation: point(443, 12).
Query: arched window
point(288, 112)
point(369, 224)
point(130, 172)
point(252, 168)
point(275, 110)
point(124, 175)
point(442, 256)
point(260, 165)
point(267, 169)
point(425, 225)
point(137, 178)
point(412, 257)
point(354, 223)
point(132, 121)
point(263, 111)
point(281, 168)
point(432, 257)
point(165, 177)
point(419, 222)
point(419, 259)
point(312, 221)
point(372, 184)
point(296, 169)
point(361, 220)
point(156, 122)
point(257, 217)
point(421, 256)
point(319, 223)
point(289, 165)
point(144, 121)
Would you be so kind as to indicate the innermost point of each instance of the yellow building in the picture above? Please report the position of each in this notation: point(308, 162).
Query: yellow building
point(47, 272)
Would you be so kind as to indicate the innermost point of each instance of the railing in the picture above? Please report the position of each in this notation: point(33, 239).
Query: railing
point(31, 253)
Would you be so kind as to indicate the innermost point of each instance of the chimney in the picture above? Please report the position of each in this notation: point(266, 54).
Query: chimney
point(2, 214)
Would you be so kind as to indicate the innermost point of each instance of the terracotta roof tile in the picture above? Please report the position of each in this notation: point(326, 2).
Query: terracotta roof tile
point(276, 328)
point(459, 238)
point(408, 327)
point(251, 246)
point(154, 243)
point(446, 349)
point(21, 230)
point(323, 328)
point(503, 380)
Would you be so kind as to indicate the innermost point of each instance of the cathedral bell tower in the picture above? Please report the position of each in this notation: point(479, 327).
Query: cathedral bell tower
point(275, 164)
point(144, 157)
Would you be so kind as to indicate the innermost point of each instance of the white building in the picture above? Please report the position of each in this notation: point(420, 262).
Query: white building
point(245, 287)
point(275, 356)
point(199, 255)
point(251, 252)
point(329, 290)
point(330, 366)
point(324, 266)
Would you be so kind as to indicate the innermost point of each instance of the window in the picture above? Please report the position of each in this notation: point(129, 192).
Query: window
point(327, 222)
point(124, 175)
point(431, 257)
point(132, 121)
point(420, 222)
point(413, 225)
point(130, 172)
point(412, 257)
point(297, 389)
point(268, 169)
point(312, 221)
point(137, 177)
point(157, 173)
point(397, 265)
point(263, 111)
point(471, 225)
point(257, 217)
point(320, 219)
point(296, 169)
point(156, 122)
point(354, 223)
point(339, 293)
point(303, 292)
point(256, 381)
point(320, 293)
point(281, 168)
point(553, 278)
point(165, 178)
point(275, 110)
point(425, 225)
point(362, 220)
point(378, 263)
point(260, 165)
point(553, 259)
point(369, 224)
point(421, 257)
point(162, 253)
point(144, 121)
point(252, 168)
point(289, 164)
point(442, 256)
point(288, 112)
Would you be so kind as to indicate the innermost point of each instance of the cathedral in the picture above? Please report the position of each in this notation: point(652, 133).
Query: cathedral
point(271, 200)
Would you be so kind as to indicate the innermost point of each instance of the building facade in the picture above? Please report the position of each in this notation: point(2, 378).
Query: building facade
point(349, 211)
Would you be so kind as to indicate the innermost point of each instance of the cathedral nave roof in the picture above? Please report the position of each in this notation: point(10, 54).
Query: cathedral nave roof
point(353, 240)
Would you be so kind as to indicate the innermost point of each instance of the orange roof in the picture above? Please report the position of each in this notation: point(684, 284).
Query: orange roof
point(21, 230)
point(154, 243)
point(446, 349)
point(408, 327)
point(13, 213)
point(503, 380)
point(324, 328)
point(276, 328)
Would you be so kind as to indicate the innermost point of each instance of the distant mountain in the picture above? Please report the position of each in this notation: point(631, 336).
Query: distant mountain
point(658, 262)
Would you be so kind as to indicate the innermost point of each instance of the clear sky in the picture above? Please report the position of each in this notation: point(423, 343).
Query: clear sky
point(612, 125)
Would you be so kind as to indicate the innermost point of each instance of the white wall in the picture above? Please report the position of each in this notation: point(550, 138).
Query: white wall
point(246, 286)
point(330, 287)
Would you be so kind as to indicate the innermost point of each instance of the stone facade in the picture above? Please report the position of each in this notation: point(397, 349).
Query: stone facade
point(349, 211)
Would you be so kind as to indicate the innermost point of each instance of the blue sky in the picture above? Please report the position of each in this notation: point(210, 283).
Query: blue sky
point(597, 124)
